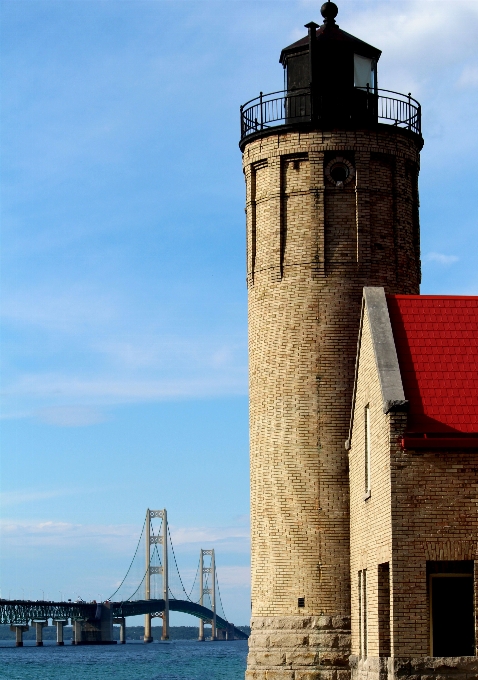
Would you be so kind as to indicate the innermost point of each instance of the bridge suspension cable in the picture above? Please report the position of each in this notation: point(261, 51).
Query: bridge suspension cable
point(220, 599)
point(131, 563)
point(176, 563)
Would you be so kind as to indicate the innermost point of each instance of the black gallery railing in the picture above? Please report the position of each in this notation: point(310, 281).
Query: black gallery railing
point(364, 107)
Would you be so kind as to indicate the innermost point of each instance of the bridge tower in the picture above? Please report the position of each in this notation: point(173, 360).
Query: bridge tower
point(331, 168)
point(152, 540)
point(210, 590)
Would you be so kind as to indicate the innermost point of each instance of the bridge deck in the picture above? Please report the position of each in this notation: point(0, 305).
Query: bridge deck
point(22, 612)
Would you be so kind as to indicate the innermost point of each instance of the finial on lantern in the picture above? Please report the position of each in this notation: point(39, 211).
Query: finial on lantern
point(329, 11)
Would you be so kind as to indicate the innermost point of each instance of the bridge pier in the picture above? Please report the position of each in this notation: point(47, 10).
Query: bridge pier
point(19, 630)
point(59, 631)
point(97, 630)
point(122, 625)
point(147, 628)
point(76, 632)
point(39, 626)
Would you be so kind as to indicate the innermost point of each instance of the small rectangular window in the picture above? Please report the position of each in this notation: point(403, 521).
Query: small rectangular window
point(364, 615)
point(362, 611)
point(359, 593)
point(364, 72)
point(367, 449)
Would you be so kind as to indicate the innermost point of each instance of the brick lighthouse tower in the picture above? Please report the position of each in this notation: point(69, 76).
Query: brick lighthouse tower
point(331, 167)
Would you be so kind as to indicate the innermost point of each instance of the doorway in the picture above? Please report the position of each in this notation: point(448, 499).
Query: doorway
point(452, 621)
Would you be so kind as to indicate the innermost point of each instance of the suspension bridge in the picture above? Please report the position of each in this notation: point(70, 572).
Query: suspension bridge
point(150, 588)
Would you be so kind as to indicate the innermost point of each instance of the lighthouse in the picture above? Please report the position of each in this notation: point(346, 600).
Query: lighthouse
point(331, 166)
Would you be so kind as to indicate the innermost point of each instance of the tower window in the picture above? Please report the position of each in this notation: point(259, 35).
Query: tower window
point(364, 72)
point(339, 171)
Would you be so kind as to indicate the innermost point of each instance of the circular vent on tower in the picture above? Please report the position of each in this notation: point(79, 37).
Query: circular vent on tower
point(339, 171)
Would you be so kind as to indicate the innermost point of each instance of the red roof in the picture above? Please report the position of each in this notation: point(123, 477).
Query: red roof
point(436, 337)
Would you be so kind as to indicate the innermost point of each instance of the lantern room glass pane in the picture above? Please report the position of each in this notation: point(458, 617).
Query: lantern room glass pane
point(364, 72)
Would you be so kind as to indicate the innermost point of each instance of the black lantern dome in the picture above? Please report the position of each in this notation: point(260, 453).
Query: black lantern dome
point(332, 63)
point(330, 83)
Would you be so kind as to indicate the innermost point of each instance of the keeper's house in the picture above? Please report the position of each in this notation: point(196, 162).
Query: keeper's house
point(413, 452)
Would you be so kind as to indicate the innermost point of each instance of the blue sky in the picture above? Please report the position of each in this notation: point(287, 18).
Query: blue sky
point(124, 337)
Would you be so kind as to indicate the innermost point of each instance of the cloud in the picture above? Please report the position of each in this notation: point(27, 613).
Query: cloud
point(120, 538)
point(117, 391)
point(89, 349)
point(183, 536)
point(468, 77)
point(234, 576)
point(26, 497)
point(69, 311)
point(440, 258)
point(71, 416)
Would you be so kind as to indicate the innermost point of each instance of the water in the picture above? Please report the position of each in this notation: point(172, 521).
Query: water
point(175, 660)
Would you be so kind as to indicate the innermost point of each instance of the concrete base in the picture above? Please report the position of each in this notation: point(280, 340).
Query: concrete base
point(299, 648)
point(421, 668)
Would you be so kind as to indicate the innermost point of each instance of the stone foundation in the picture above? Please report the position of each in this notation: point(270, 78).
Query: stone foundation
point(421, 668)
point(299, 648)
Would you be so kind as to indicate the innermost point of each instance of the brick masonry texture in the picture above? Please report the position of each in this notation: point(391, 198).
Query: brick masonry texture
point(422, 506)
point(311, 248)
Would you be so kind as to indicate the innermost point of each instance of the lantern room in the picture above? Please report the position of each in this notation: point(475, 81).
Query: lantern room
point(330, 82)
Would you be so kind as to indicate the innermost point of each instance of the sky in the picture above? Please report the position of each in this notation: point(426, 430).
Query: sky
point(123, 339)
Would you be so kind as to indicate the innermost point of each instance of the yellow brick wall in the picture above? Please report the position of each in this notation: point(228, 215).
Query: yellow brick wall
point(311, 248)
point(370, 520)
point(435, 517)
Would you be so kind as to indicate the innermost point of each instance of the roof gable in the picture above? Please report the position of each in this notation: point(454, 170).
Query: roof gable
point(374, 305)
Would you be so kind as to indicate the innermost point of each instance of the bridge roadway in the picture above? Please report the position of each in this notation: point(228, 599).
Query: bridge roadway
point(97, 618)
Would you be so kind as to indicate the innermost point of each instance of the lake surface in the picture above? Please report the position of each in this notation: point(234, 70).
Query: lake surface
point(176, 660)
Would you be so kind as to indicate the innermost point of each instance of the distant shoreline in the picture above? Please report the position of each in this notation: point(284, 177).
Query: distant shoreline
point(132, 632)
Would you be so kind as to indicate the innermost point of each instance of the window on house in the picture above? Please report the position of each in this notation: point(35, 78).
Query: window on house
point(451, 598)
point(359, 593)
point(384, 609)
point(367, 451)
point(362, 610)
